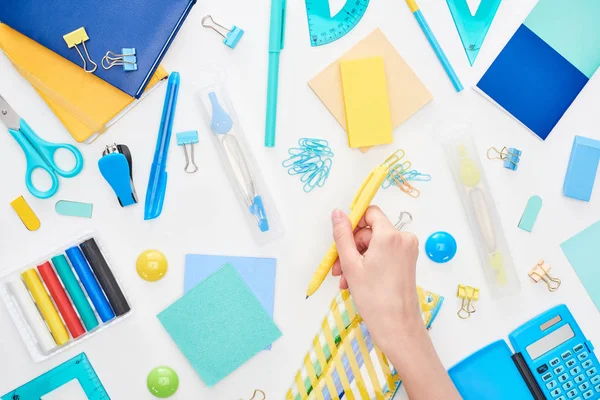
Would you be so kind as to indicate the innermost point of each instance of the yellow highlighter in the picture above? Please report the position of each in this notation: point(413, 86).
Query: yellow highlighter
point(44, 304)
point(359, 206)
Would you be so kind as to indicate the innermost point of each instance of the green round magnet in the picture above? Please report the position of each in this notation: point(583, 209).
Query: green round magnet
point(151, 265)
point(162, 382)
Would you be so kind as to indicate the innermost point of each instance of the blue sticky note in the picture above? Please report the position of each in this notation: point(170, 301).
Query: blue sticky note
point(582, 252)
point(583, 165)
point(258, 273)
point(219, 325)
point(571, 28)
point(533, 82)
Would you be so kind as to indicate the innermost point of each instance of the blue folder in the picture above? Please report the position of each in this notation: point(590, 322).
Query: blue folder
point(149, 26)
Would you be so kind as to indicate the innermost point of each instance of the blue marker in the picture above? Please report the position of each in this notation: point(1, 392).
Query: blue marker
point(157, 184)
point(276, 39)
point(87, 278)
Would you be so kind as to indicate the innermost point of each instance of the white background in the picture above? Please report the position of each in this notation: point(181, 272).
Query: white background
point(201, 214)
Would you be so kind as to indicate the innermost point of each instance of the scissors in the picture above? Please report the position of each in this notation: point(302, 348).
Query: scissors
point(38, 152)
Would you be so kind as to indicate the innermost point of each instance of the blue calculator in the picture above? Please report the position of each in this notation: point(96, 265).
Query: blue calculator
point(550, 359)
point(557, 354)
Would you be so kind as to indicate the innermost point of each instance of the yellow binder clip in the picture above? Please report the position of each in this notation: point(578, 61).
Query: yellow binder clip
point(540, 273)
point(80, 36)
point(468, 294)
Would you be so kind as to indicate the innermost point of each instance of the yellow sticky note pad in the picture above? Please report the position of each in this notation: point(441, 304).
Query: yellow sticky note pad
point(30, 220)
point(366, 102)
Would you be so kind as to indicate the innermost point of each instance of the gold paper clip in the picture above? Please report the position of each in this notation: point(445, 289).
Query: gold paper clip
point(80, 36)
point(540, 273)
point(400, 181)
point(468, 294)
point(259, 392)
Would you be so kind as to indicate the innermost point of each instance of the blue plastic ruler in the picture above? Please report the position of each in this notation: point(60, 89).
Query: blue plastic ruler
point(325, 28)
point(473, 28)
point(77, 367)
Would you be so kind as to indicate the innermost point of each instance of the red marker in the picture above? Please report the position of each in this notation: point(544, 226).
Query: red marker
point(61, 300)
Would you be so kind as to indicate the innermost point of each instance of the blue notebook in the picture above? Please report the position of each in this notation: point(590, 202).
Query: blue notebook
point(149, 26)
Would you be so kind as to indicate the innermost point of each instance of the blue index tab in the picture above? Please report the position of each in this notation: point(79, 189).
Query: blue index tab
point(512, 159)
point(534, 205)
point(583, 165)
point(115, 169)
point(189, 137)
point(129, 59)
point(233, 37)
point(258, 210)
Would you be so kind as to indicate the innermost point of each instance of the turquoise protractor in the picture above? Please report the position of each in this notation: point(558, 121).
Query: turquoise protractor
point(324, 28)
point(473, 28)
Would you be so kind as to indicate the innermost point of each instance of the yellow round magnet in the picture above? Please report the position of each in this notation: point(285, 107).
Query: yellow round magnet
point(151, 265)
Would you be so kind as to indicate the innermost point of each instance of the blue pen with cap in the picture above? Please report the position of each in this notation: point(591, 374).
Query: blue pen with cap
point(239, 163)
point(157, 184)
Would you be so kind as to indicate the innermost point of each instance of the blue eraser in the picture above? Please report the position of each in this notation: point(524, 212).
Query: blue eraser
point(129, 59)
point(189, 137)
point(583, 165)
point(233, 37)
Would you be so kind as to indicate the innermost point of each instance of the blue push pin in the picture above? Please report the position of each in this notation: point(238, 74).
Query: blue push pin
point(231, 36)
point(440, 247)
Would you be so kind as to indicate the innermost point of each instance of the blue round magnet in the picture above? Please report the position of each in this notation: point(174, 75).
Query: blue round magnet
point(440, 247)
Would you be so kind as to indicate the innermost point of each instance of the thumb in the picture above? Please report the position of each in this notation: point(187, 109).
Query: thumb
point(344, 238)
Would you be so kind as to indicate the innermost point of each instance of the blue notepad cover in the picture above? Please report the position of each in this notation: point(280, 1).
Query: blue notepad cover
point(533, 82)
point(490, 374)
point(149, 26)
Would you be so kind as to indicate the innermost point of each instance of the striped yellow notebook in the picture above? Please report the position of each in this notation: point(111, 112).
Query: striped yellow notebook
point(85, 104)
point(344, 363)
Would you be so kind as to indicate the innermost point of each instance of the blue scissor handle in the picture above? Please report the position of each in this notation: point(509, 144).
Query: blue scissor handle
point(40, 154)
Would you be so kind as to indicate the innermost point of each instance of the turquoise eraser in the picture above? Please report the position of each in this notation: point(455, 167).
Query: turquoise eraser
point(534, 205)
point(583, 165)
point(74, 209)
point(189, 137)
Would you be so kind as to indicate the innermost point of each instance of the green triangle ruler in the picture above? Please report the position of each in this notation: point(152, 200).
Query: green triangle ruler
point(77, 367)
point(325, 28)
point(473, 28)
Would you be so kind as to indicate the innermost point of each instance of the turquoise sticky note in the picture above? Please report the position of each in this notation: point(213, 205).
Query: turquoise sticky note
point(582, 252)
point(571, 28)
point(257, 273)
point(219, 325)
point(534, 205)
point(74, 209)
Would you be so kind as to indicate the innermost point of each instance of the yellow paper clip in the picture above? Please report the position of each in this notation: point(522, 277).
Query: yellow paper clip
point(540, 273)
point(80, 36)
point(468, 294)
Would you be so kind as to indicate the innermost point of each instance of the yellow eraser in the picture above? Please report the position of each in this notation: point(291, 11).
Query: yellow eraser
point(76, 37)
point(366, 102)
point(30, 220)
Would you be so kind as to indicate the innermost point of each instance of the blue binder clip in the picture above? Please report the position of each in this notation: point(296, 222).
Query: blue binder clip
point(510, 156)
point(116, 167)
point(127, 59)
point(231, 36)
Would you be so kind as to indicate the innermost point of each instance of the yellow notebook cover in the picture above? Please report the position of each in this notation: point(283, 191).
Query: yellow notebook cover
point(366, 102)
point(85, 104)
point(406, 91)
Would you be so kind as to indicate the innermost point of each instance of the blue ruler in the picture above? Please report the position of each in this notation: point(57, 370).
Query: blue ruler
point(77, 367)
point(324, 28)
point(473, 28)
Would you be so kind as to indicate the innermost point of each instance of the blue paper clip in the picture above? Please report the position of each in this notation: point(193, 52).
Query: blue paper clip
point(312, 160)
point(127, 59)
point(231, 37)
point(510, 156)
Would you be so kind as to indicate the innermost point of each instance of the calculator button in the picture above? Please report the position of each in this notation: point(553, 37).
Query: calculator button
point(568, 385)
point(551, 384)
point(597, 388)
point(554, 362)
point(556, 392)
point(584, 386)
point(559, 370)
point(595, 379)
point(591, 371)
point(571, 362)
point(576, 370)
point(578, 348)
point(542, 368)
point(547, 376)
point(572, 393)
point(565, 377)
point(588, 394)
point(586, 364)
point(583, 356)
point(561, 398)
point(579, 379)
point(566, 354)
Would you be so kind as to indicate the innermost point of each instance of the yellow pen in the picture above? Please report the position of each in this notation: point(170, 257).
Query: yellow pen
point(359, 206)
point(44, 304)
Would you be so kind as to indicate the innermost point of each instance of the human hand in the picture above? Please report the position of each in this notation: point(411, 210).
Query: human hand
point(378, 264)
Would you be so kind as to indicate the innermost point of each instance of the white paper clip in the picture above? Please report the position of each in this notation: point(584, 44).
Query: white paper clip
point(127, 59)
point(231, 37)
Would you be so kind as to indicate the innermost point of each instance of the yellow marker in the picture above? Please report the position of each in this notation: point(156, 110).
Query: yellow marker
point(44, 304)
point(359, 206)
point(28, 217)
